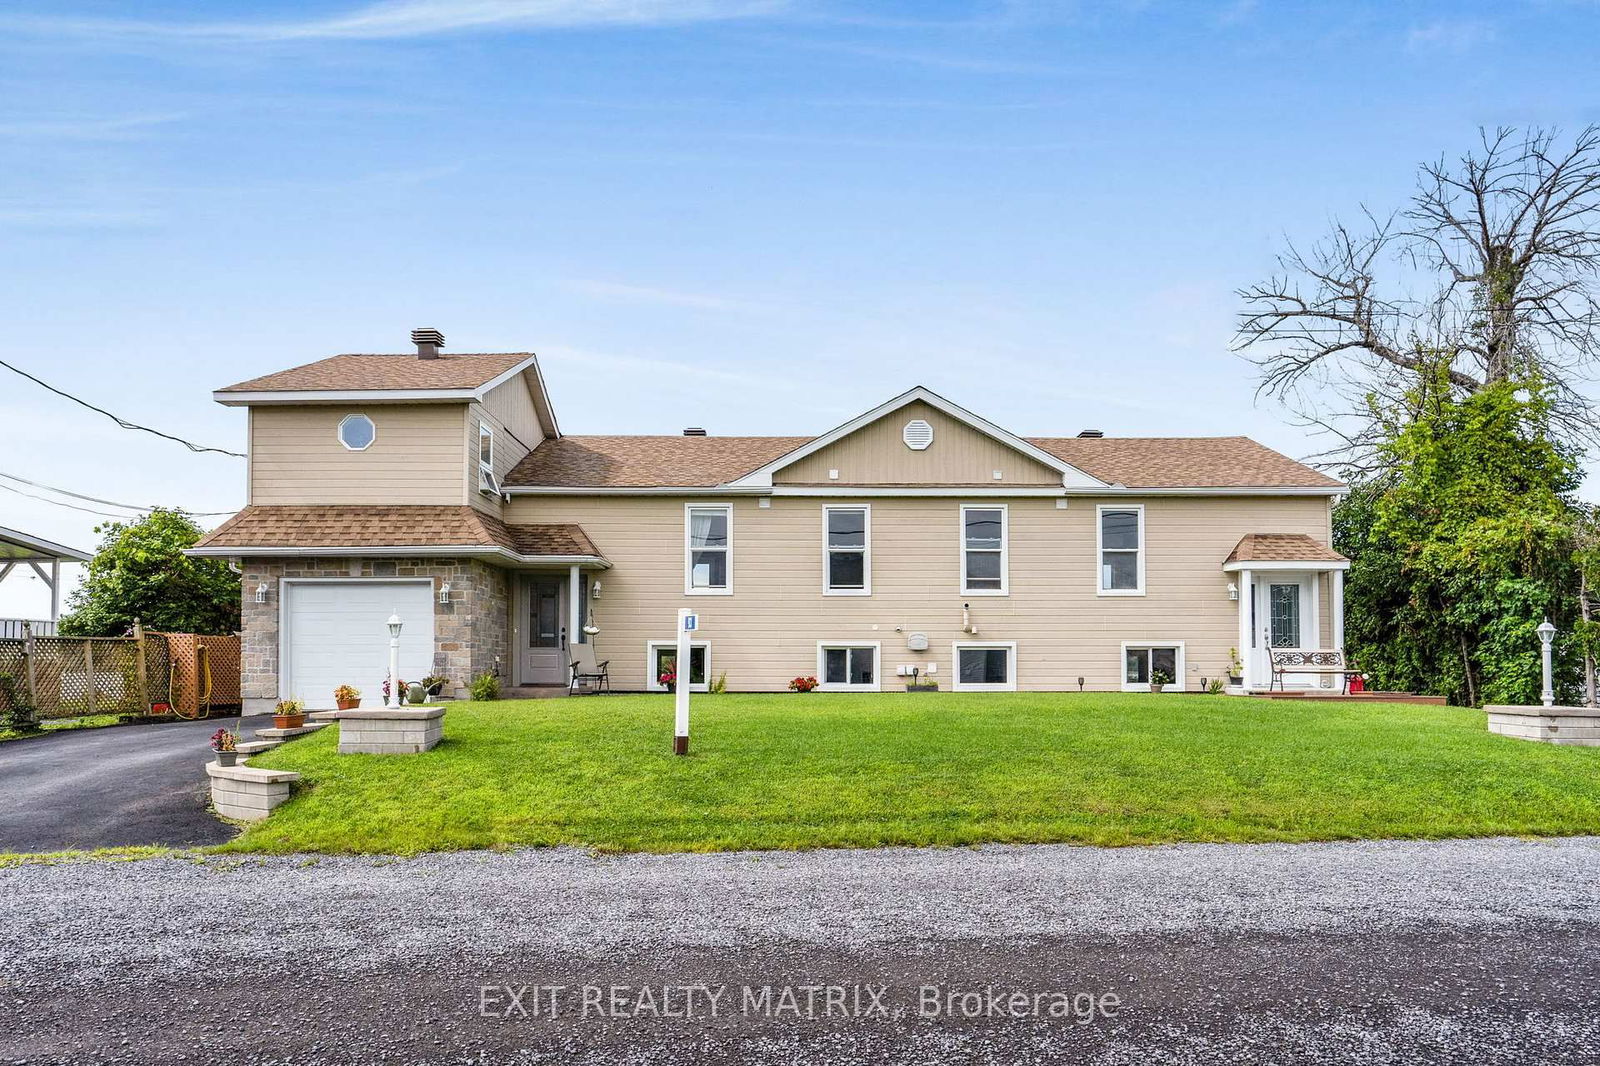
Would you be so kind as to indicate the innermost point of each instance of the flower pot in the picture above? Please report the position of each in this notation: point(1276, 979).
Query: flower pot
point(225, 758)
point(347, 705)
point(1157, 686)
point(922, 688)
point(288, 721)
point(1235, 679)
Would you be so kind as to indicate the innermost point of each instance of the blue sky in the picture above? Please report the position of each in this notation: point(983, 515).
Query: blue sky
point(760, 216)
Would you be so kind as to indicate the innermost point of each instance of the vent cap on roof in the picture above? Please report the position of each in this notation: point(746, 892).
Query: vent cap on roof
point(428, 342)
point(1092, 433)
point(918, 434)
point(694, 431)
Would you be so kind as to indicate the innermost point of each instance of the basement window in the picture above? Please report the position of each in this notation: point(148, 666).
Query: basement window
point(848, 667)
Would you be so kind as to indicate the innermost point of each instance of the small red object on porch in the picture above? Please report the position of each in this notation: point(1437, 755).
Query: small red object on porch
point(1358, 683)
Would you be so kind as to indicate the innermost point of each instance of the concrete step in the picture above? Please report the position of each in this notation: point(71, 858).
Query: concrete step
point(256, 747)
point(285, 734)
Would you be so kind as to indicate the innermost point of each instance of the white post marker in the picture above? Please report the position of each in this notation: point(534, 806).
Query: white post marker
point(688, 622)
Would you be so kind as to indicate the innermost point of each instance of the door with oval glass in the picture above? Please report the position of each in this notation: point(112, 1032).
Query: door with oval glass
point(542, 640)
point(1285, 618)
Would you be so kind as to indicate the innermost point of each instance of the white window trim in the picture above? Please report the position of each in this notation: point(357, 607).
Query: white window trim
point(1122, 664)
point(877, 665)
point(1100, 554)
point(866, 554)
point(956, 684)
point(653, 680)
point(1005, 548)
point(689, 588)
point(485, 430)
point(339, 433)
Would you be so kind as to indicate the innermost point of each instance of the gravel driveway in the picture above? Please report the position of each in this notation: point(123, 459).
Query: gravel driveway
point(112, 787)
point(1469, 951)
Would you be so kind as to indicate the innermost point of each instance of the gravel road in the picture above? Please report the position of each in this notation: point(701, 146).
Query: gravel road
point(1468, 951)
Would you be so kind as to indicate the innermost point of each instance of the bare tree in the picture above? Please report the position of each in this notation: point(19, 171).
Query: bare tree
point(1491, 271)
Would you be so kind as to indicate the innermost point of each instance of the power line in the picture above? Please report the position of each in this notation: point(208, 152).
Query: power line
point(58, 503)
point(124, 423)
point(91, 499)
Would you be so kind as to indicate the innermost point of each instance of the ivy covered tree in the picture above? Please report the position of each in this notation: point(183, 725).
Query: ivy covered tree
point(1464, 545)
point(140, 571)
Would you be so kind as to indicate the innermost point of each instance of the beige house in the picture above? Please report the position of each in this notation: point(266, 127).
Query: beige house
point(918, 536)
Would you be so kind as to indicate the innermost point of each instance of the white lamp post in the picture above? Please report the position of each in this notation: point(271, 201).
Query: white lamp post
point(1547, 633)
point(393, 699)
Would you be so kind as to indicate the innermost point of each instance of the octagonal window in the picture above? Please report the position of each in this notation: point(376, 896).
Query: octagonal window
point(357, 432)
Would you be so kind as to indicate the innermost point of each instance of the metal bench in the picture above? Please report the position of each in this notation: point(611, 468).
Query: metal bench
point(1327, 661)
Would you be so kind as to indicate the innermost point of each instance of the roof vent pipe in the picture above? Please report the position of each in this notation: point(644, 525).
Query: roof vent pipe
point(694, 431)
point(428, 342)
point(1092, 433)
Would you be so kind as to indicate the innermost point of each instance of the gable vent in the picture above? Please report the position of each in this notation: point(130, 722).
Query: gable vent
point(917, 435)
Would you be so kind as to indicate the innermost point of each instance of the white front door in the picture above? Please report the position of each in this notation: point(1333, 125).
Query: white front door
point(336, 633)
point(1285, 618)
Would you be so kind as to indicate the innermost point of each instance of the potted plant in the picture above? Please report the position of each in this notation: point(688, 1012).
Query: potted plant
point(802, 684)
point(289, 714)
point(919, 683)
point(1159, 679)
point(224, 744)
point(669, 680)
point(347, 697)
point(1235, 667)
point(435, 685)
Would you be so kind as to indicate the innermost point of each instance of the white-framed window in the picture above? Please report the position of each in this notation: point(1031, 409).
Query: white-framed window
point(984, 549)
point(485, 446)
point(1119, 546)
point(1142, 659)
point(847, 551)
point(708, 549)
point(848, 666)
point(984, 666)
point(661, 656)
point(356, 432)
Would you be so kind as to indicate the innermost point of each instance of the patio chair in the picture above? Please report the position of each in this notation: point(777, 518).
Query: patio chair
point(586, 673)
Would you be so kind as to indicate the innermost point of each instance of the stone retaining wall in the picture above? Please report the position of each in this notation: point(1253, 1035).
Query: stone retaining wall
point(247, 793)
point(390, 731)
point(1552, 725)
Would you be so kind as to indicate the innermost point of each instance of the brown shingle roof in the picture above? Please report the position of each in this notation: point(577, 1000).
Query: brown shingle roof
point(1137, 462)
point(1282, 548)
point(352, 373)
point(645, 462)
point(1183, 462)
point(313, 527)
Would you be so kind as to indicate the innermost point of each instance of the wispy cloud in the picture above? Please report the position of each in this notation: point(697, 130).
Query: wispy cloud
point(25, 215)
point(1450, 35)
point(611, 290)
point(390, 19)
point(86, 129)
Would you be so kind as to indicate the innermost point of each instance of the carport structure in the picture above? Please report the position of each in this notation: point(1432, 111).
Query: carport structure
point(18, 549)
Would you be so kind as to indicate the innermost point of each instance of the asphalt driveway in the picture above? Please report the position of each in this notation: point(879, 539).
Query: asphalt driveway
point(112, 787)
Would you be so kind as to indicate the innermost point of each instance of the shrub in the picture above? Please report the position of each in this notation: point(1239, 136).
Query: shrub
point(18, 713)
point(720, 685)
point(485, 687)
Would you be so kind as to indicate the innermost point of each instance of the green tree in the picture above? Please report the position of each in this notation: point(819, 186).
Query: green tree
point(1463, 546)
point(140, 572)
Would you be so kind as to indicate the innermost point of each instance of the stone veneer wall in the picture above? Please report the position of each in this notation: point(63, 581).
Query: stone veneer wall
point(471, 633)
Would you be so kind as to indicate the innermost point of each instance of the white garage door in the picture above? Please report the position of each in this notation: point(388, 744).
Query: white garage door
point(336, 634)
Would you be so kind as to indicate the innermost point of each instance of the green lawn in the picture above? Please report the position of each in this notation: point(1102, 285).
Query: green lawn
point(793, 771)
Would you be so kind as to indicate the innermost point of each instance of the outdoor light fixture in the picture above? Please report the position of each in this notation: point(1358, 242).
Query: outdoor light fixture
point(594, 590)
point(394, 624)
point(444, 593)
point(1233, 591)
point(261, 593)
point(1080, 684)
point(1547, 633)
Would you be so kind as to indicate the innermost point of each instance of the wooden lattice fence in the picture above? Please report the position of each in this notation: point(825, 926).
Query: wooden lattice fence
point(205, 671)
point(68, 677)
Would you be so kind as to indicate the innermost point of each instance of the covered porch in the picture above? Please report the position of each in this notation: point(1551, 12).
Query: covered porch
point(1290, 592)
point(44, 559)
